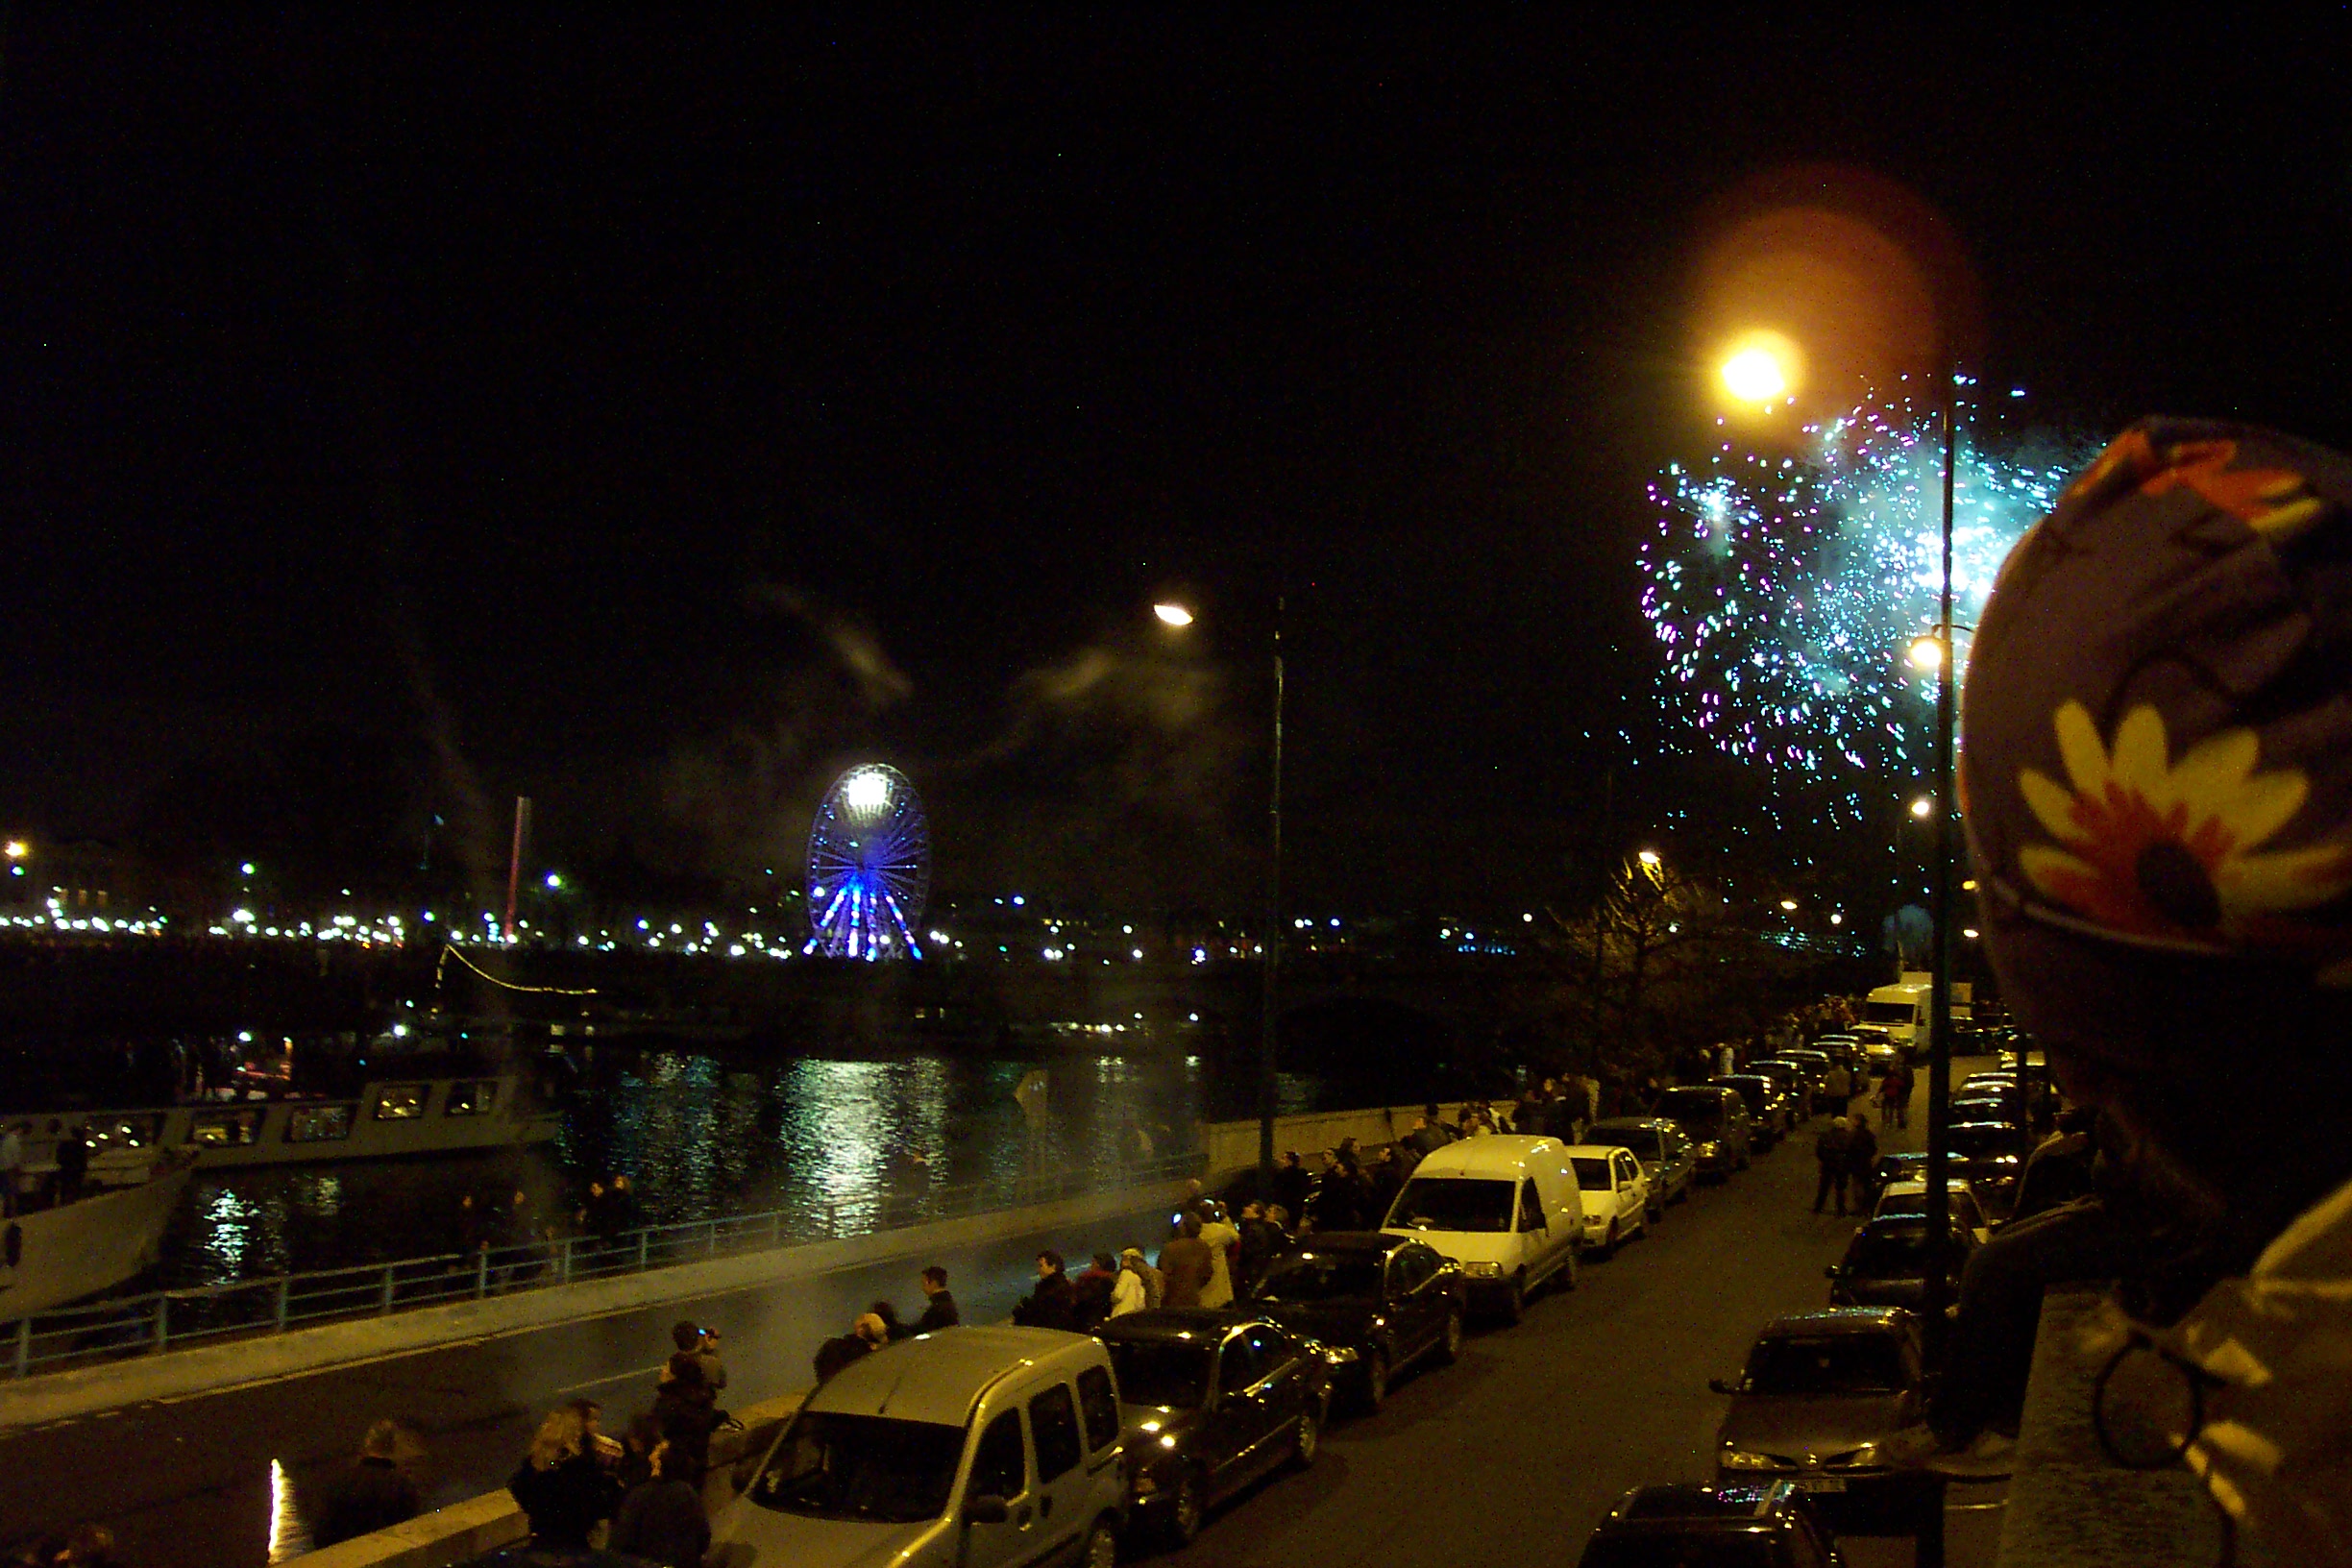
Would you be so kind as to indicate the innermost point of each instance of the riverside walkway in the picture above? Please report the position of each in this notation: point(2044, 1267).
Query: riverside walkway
point(232, 1456)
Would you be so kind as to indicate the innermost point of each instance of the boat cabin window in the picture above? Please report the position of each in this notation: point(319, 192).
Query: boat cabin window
point(400, 1102)
point(471, 1097)
point(319, 1123)
point(224, 1129)
point(122, 1133)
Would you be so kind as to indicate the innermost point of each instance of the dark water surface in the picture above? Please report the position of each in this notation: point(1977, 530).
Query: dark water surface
point(704, 1135)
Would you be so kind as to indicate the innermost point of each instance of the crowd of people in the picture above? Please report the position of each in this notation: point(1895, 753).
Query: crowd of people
point(641, 1492)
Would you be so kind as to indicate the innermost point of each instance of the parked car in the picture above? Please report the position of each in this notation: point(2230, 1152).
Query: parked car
point(1795, 1083)
point(1815, 1062)
point(1715, 1119)
point(1886, 1263)
point(1770, 1526)
point(1822, 1395)
point(1880, 1053)
point(1209, 1400)
point(1911, 1198)
point(1844, 1048)
point(1991, 1156)
point(1376, 1303)
point(1770, 1113)
point(1504, 1208)
point(1666, 1156)
point(919, 1455)
point(1616, 1195)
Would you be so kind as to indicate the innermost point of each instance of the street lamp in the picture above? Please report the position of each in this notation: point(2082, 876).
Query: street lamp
point(1648, 857)
point(1927, 654)
point(1789, 905)
point(1178, 616)
point(1922, 808)
point(1760, 367)
point(17, 849)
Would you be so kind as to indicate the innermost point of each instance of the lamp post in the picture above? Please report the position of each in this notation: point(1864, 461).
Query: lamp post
point(1178, 617)
point(1939, 1282)
point(1759, 371)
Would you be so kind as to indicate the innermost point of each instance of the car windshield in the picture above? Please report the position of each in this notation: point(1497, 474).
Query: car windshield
point(1838, 1363)
point(1699, 1549)
point(1322, 1276)
point(1170, 1372)
point(1642, 1141)
point(1692, 1106)
point(1890, 1011)
point(871, 1467)
point(1896, 1251)
point(1970, 1141)
point(1592, 1172)
point(1453, 1203)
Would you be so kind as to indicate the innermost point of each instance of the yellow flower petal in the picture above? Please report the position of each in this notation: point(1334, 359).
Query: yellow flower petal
point(2255, 809)
point(2214, 768)
point(2052, 805)
point(2141, 753)
point(2287, 879)
point(2078, 743)
point(2046, 868)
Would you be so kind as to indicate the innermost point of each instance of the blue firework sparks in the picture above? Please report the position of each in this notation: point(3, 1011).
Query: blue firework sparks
point(1785, 590)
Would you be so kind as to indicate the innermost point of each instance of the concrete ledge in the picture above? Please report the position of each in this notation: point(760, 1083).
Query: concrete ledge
point(1232, 1146)
point(2069, 1505)
point(205, 1369)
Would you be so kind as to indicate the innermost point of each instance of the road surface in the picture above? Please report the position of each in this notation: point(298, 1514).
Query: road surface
point(1508, 1457)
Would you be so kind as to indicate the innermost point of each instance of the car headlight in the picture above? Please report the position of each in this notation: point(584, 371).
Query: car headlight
point(1482, 1271)
point(1739, 1458)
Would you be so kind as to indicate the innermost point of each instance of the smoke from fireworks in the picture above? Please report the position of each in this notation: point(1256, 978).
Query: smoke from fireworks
point(1784, 591)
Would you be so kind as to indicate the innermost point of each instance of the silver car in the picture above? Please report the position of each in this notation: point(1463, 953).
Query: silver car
point(969, 1448)
point(1820, 1396)
point(1666, 1155)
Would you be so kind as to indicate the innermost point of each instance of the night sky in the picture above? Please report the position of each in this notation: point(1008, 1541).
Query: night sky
point(654, 418)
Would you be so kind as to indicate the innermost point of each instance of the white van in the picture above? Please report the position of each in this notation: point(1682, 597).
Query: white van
point(1504, 1206)
point(969, 1448)
point(1902, 1011)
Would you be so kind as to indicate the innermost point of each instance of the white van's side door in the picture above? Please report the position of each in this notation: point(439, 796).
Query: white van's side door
point(1000, 1468)
point(1063, 1485)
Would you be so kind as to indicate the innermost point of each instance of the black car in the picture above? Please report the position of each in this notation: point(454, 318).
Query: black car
point(1209, 1400)
point(1703, 1527)
point(1886, 1263)
point(1376, 1303)
point(1991, 1156)
point(1771, 1112)
point(1715, 1119)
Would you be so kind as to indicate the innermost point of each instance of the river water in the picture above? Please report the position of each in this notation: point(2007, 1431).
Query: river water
point(704, 1135)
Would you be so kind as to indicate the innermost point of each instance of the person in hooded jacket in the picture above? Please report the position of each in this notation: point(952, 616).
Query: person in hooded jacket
point(2156, 753)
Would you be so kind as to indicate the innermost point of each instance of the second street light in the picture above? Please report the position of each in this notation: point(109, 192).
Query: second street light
point(1178, 617)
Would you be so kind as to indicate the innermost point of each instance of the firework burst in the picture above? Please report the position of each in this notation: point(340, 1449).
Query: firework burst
point(1783, 590)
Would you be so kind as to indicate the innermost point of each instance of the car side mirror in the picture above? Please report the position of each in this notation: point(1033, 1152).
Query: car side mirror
point(987, 1509)
point(1717, 1385)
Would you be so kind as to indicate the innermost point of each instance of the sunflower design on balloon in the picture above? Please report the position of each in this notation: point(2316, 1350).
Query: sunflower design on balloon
point(2151, 848)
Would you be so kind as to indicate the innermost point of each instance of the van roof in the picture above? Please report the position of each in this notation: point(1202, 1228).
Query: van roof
point(941, 1376)
point(1489, 1155)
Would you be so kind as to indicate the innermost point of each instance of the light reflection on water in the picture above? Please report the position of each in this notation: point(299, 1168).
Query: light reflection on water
point(701, 1136)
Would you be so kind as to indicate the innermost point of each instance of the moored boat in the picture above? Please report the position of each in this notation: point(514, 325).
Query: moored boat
point(388, 1118)
point(49, 1256)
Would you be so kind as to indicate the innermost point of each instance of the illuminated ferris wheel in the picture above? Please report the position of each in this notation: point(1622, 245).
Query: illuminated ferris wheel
point(869, 867)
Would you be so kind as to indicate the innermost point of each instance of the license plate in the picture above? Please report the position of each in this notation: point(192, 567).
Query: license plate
point(1820, 1484)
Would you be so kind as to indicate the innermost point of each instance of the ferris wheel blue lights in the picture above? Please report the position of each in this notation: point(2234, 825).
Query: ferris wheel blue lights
point(869, 867)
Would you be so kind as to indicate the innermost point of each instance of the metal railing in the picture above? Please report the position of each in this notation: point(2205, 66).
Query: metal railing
point(168, 1319)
